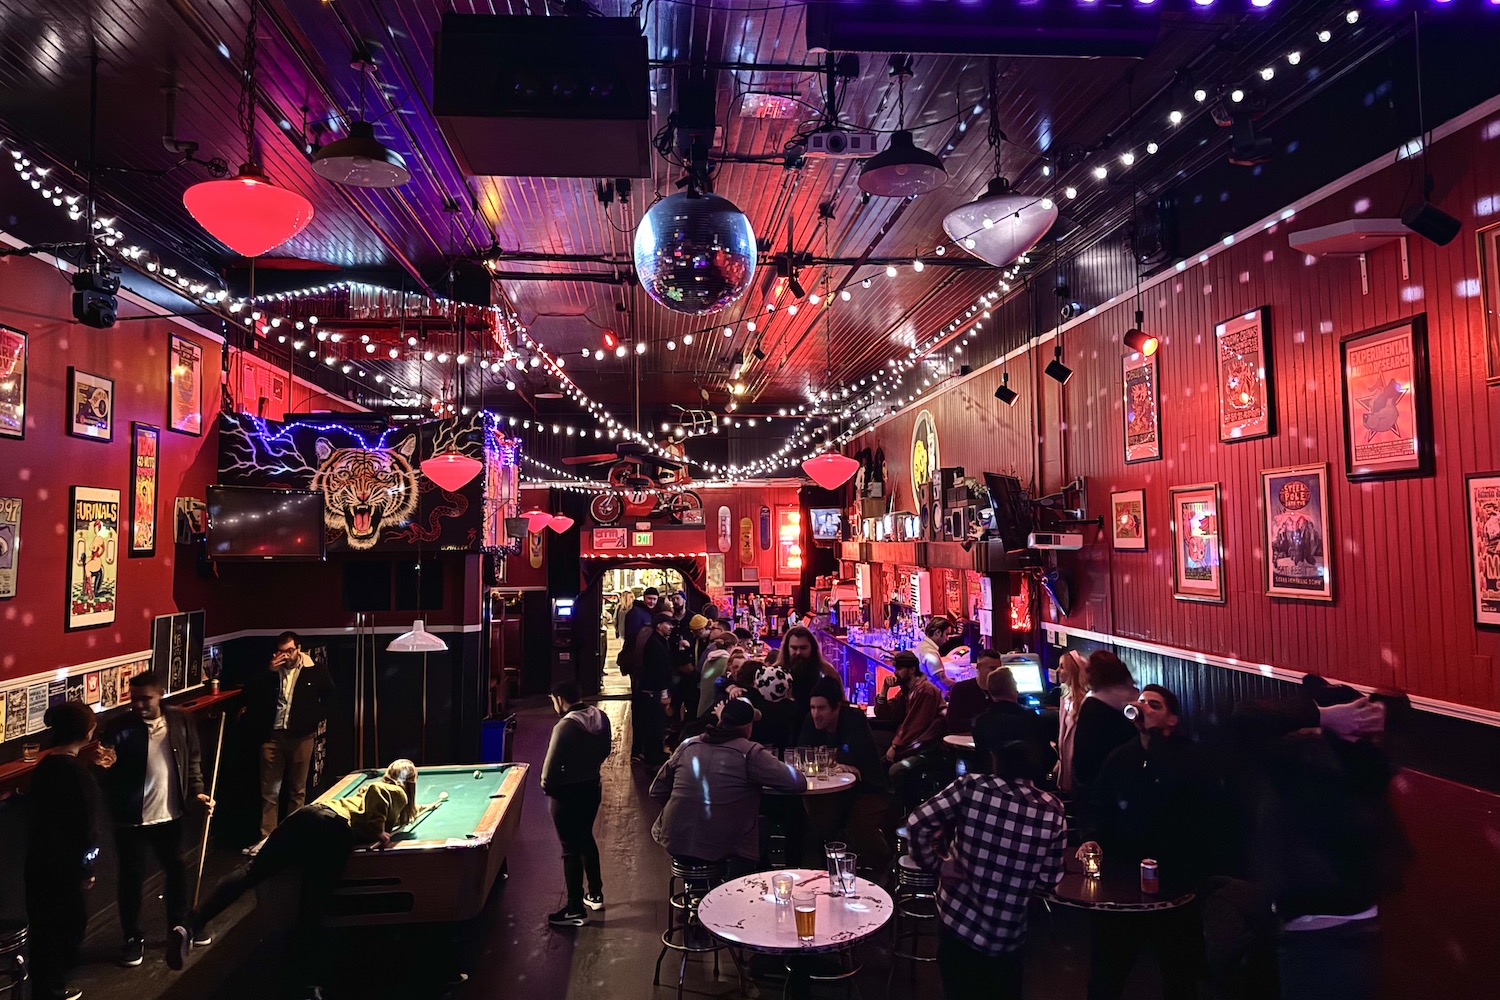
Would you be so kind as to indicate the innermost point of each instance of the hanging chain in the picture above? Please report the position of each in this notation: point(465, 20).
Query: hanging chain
point(247, 82)
point(996, 137)
point(901, 99)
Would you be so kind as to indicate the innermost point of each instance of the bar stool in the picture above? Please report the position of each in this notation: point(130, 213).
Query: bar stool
point(14, 970)
point(690, 881)
point(915, 918)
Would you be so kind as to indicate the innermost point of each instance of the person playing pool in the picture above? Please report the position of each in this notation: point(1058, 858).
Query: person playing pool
point(317, 840)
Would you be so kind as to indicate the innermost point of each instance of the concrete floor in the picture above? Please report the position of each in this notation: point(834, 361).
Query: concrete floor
point(509, 951)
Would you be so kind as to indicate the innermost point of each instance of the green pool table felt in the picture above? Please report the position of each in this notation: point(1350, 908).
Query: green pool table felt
point(468, 799)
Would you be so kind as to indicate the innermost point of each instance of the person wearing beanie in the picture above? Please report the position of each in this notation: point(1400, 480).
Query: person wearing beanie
point(712, 786)
point(653, 691)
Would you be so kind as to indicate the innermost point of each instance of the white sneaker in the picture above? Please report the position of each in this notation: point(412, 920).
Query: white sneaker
point(254, 848)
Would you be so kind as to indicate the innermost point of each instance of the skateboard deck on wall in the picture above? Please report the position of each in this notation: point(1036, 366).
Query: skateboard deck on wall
point(747, 541)
point(765, 528)
point(726, 522)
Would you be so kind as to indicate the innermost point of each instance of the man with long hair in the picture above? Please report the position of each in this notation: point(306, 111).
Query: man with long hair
point(801, 657)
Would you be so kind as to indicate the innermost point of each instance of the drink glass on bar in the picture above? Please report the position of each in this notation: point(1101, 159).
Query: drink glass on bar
point(805, 909)
point(781, 886)
point(31, 751)
point(846, 876)
point(1093, 862)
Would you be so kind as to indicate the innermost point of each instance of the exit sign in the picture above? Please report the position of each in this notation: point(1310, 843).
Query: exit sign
point(641, 539)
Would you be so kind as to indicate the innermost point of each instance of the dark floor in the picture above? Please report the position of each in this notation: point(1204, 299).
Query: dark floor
point(510, 951)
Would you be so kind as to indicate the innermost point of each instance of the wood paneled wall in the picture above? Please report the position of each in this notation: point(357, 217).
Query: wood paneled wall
point(1402, 614)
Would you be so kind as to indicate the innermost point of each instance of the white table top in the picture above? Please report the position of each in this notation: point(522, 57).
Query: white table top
point(965, 740)
point(744, 912)
point(822, 784)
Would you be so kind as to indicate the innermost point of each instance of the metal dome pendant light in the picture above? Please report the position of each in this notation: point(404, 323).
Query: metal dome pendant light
point(359, 159)
point(999, 225)
point(247, 213)
point(902, 170)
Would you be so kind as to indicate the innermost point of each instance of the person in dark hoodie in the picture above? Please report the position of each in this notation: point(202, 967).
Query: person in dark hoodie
point(570, 780)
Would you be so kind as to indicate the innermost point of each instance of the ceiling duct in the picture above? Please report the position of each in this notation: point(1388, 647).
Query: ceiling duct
point(544, 96)
point(985, 28)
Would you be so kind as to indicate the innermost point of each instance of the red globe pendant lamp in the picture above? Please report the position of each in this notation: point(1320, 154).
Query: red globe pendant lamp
point(537, 520)
point(247, 213)
point(451, 470)
point(830, 470)
point(560, 523)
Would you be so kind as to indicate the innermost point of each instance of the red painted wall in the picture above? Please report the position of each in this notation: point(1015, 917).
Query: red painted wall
point(1402, 612)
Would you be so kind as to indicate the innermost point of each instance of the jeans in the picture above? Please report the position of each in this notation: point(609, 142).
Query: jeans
point(283, 758)
point(314, 840)
point(134, 844)
point(968, 974)
point(573, 810)
point(1342, 961)
point(1118, 939)
point(56, 917)
point(649, 722)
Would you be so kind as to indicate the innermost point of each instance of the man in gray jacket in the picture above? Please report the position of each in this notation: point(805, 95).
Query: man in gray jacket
point(712, 784)
point(570, 780)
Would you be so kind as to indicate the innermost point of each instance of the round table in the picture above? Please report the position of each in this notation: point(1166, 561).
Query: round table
point(822, 784)
point(1116, 890)
point(964, 741)
point(744, 913)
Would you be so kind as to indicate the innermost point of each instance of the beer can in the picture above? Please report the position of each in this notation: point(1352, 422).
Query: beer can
point(1150, 884)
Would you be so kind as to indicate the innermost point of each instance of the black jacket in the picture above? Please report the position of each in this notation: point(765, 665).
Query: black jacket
point(656, 670)
point(1101, 728)
point(856, 747)
point(310, 700)
point(64, 835)
point(966, 703)
point(1010, 722)
point(580, 743)
point(125, 782)
point(1155, 801)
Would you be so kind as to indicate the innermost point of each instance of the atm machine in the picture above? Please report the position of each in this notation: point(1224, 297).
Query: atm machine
point(563, 666)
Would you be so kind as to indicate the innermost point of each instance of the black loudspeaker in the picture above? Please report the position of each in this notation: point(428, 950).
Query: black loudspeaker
point(431, 577)
point(367, 585)
point(1432, 223)
point(937, 521)
point(471, 284)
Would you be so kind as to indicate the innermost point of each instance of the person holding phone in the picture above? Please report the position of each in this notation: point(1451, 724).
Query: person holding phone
point(285, 704)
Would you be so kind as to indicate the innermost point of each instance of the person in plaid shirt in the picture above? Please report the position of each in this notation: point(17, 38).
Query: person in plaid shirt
point(991, 838)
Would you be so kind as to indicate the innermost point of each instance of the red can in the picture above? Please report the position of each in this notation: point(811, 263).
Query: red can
point(1150, 883)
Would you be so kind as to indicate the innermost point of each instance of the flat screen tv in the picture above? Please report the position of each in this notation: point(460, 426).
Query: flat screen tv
point(1011, 508)
point(827, 522)
point(250, 522)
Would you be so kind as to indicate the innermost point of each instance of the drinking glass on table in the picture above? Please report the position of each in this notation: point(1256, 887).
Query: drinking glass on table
point(31, 751)
point(781, 886)
point(825, 761)
point(832, 852)
point(809, 757)
point(1093, 860)
point(846, 876)
point(805, 908)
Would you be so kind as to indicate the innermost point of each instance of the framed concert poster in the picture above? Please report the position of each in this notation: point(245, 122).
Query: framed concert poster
point(13, 358)
point(1142, 414)
point(10, 544)
point(1247, 407)
point(1197, 544)
point(1489, 284)
point(185, 395)
point(1297, 543)
point(1128, 520)
point(1482, 492)
point(94, 571)
point(91, 405)
point(1387, 402)
point(145, 446)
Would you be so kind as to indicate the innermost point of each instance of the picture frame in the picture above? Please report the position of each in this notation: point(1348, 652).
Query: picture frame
point(1482, 509)
point(1141, 410)
point(1127, 520)
point(10, 544)
point(184, 386)
point(1489, 287)
point(1245, 377)
point(1295, 532)
point(145, 452)
point(15, 358)
point(1197, 543)
point(94, 551)
point(91, 405)
point(1387, 402)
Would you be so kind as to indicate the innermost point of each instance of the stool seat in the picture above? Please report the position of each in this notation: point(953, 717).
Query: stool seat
point(690, 881)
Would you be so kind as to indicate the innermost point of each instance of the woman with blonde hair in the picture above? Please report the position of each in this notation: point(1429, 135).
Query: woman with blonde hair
point(1072, 691)
point(317, 841)
point(622, 608)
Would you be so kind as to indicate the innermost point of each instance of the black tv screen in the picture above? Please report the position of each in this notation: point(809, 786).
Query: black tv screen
point(249, 522)
point(1012, 510)
point(826, 523)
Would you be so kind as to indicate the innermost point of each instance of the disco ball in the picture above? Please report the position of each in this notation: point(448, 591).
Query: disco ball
point(695, 253)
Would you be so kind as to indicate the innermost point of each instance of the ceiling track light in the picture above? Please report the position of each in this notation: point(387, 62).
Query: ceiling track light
point(1137, 340)
point(1056, 370)
point(1004, 392)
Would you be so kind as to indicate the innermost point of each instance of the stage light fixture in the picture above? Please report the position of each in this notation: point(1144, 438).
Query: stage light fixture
point(1004, 392)
point(1056, 370)
point(1137, 340)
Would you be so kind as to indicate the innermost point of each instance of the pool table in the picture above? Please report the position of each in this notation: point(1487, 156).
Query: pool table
point(444, 867)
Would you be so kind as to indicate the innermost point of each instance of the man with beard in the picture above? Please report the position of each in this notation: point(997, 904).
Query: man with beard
point(801, 657)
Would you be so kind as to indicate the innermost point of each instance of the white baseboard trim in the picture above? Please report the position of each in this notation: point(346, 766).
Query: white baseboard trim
point(1059, 634)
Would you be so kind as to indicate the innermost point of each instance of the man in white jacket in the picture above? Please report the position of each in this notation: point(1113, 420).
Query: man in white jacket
point(570, 779)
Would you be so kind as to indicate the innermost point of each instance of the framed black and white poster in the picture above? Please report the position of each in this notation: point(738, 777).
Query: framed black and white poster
point(91, 405)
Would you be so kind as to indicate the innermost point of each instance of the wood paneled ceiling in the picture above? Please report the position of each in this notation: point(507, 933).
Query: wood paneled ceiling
point(1048, 109)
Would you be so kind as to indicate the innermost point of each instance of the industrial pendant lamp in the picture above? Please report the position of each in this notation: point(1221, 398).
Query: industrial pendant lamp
point(560, 523)
point(902, 170)
point(359, 159)
point(247, 213)
point(999, 225)
point(418, 640)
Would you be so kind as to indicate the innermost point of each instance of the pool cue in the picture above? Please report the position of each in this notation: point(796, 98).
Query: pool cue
point(425, 813)
point(213, 789)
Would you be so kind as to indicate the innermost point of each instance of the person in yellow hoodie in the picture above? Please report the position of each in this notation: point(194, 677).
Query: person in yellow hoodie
point(316, 840)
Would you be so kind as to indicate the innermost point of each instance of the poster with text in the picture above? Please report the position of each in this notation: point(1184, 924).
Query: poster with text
point(15, 713)
point(1296, 532)
point(10, 544)
point(13, 360)
point(145, 445)
point(91, 405)
point(36, 707)
point(1128, 520)
point(185, 395)
point(169, 650)
point(1483, 491)
point(1386, 406)
point(1246, 407)
point(76, 689)
point(1142, 416)
point(122, 681)
point(109, 688)
point(1197, 544)
point(93, 575)
point(91, 689)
